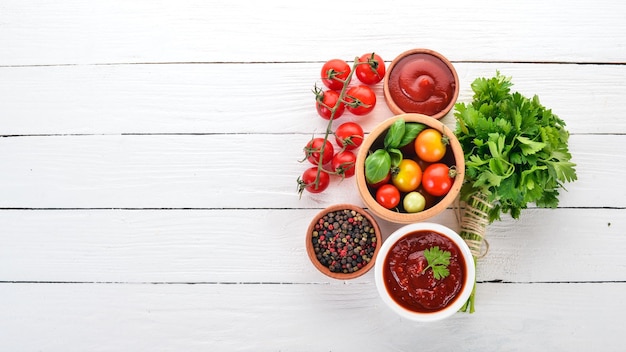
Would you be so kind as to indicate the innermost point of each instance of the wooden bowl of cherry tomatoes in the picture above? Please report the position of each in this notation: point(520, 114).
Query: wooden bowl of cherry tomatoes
point(409, 168)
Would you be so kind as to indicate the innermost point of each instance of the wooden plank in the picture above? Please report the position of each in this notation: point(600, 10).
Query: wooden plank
point(184, 98)
point(221, 171)
point(267, 245)
point(75, 32)
point(509, 317)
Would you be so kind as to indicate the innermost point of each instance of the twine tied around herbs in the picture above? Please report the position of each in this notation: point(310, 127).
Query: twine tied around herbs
point(474, 224)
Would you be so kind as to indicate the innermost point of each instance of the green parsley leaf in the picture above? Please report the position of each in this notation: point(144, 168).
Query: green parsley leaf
point(438, 261)
point(516, 150)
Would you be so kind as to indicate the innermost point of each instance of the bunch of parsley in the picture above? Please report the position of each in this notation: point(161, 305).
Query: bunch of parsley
point(516, 150)
point(516, 154)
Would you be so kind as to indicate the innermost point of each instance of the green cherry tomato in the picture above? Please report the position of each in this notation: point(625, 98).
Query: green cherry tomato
point(414, 202)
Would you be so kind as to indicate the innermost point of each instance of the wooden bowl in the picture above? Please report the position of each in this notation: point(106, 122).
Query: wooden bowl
point(375, 139)
point(375, 241)
point(431, 66)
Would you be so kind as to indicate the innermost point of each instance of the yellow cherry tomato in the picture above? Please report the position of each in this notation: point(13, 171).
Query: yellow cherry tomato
point(408, 176)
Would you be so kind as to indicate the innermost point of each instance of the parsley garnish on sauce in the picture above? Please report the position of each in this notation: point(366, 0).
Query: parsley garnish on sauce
point(438, 261)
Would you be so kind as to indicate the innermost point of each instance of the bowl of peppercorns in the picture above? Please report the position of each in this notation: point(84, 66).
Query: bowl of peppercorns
point(342, 241)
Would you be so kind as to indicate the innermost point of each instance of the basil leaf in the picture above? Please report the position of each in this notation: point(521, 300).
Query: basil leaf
point(396, 157)
point(411, 130)
point(377, 166)
point(395, 134)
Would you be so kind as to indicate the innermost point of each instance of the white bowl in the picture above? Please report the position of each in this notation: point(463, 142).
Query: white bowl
point(468, 277)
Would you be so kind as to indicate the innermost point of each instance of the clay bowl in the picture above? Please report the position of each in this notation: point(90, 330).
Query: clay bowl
point(371, 247)
point(437, 95)
point(435, 205)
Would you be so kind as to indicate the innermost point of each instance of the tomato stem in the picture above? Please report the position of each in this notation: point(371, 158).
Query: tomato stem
point(333, 110)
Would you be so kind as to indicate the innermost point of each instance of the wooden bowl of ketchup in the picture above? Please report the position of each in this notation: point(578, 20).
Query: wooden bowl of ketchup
point(421, 81)
point(410, 275)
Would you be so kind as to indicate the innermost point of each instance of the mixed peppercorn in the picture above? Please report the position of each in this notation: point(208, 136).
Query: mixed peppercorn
point(344, 241)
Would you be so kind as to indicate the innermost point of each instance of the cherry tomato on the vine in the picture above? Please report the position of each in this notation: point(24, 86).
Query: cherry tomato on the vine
point(313, 149)
point(327, 100)
point(430, 145)
point(343, 163)
point(438, 179)
point(388, 196)
point(360, 99)
point(349, 135)
point(373, 71)
point(307, 182)
point(334, 72)
point(408, 176)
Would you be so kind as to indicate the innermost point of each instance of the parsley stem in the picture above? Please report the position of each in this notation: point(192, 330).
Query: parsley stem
point(473, 229)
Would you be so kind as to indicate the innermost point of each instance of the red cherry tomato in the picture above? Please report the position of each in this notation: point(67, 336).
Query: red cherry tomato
point(327, 100)
point(360, 99)
point(349, 135)
point(388, 196)
point(373, 71)
point(334, 72)
point(384, 181)
point(307, 182)
point(313, 148)
point(343, 163)
point(438, 179)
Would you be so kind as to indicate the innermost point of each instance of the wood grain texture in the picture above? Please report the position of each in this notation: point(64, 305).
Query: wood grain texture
point(75, 32)
point(212, 246)
point(149, 155)
point(263, 98)
point(110, 317)
point(220, 171)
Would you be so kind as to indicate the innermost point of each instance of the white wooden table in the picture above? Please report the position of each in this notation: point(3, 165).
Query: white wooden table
point(150, 154)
